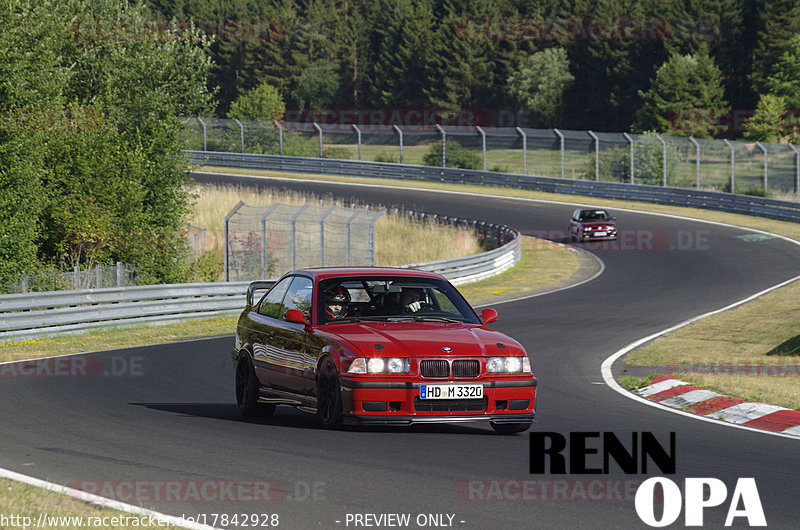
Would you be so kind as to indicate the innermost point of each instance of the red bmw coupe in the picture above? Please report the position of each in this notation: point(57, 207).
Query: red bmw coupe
point(378, 346)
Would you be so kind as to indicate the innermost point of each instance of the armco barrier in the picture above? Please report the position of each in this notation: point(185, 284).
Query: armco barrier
point(28, 315)
point(713, 200)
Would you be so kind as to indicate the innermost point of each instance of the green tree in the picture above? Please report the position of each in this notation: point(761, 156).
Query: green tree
point(685, 98)
point(100, 94)
point(540, 81)
point(785, 76)
point(778, 22)
point(318, 85)
point(767, 124)
point(262, 103)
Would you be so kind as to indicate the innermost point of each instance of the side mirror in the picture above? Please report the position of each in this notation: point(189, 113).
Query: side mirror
point(297, 317)
point(488, 315)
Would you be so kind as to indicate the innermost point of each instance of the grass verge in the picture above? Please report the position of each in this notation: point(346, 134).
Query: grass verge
point(26, 506)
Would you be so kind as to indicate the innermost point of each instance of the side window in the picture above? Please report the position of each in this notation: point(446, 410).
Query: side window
point(271, 305)
point(299, 295)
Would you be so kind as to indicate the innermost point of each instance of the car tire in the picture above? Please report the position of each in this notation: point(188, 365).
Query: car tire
point(247, 391)
point(329, 395)
point(510, 428)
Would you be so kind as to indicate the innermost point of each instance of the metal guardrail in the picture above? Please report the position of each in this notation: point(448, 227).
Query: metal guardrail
point(713, 200)
point(30, 315)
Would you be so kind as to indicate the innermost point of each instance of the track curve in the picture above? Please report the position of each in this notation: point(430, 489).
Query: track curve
point(169, 414)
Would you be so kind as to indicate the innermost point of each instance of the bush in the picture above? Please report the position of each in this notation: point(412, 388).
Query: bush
point(456, 156)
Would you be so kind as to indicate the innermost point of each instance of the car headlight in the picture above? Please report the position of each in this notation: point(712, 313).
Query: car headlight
point(379, 365)
point(587, 228)
point(508, 365)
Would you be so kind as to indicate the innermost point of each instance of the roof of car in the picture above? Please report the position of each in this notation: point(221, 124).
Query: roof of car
point(319, 273)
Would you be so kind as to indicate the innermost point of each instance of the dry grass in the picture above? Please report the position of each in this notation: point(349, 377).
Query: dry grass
point(398, 239)
point(742, 335)
point(780, 390)
point(23, 501)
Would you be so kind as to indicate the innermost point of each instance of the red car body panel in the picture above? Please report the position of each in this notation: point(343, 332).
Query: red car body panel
point(288, 356)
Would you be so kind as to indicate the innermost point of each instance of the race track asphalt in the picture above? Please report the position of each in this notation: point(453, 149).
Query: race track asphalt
point(166, 415)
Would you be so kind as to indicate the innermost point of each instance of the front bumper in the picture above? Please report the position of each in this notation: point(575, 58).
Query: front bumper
point(398, 402)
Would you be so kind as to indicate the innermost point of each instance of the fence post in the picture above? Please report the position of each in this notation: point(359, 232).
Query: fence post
point(241, 133)
point(663, 157)
point(796, 169)
point(358, 132)
point(483, 144)
point(444, 143)
point(24, 282)
point(294, 234)
point(119, 274)
point(733, 165)
point(697, 149)
point(98, 276)
point(628, 137)
point(280, 136)
point(76, 277)
point(766, 161)
point(524, 151)
point(322, 234)
point(227, 239)
point(319, 130)
point(561, 136)
point(596, 155)
point(205, 136)
point(400, 133)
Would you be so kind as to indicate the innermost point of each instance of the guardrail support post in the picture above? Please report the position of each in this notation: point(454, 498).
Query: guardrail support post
point(596, 155)
point(319, 130)
point(628, 137)
point(444, 143)
point(733, 165)
point(561, 136)
point(796, 169)
point(483, 144)
point(524, 151)
point(697, 149)
point(280, 135)
point(400, 133)
point(766, 161)
point(241, 132)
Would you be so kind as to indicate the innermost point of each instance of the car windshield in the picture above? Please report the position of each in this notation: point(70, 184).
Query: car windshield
point(391, 298)
point(594, 215)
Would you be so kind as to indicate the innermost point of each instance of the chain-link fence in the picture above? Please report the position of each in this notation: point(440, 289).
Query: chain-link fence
point(119, 275)
point(751, 168)
point(267, 241)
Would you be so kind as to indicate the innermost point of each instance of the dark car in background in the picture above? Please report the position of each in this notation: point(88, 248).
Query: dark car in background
point(592, 223)
point(378, 346)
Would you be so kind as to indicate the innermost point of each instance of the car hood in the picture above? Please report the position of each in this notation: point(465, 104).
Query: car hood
point(596, 224)
point(424, 339)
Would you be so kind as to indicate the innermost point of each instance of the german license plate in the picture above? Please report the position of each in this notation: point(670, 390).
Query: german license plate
point(600, 234)
point(450, 391)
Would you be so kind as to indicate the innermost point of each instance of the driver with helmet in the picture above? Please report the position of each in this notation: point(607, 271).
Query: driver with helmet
point(336, 302)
